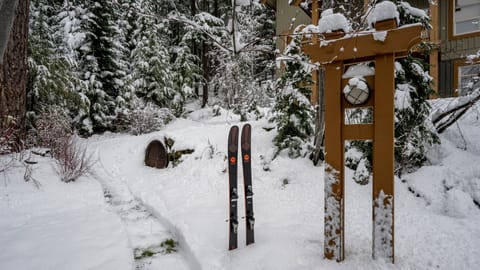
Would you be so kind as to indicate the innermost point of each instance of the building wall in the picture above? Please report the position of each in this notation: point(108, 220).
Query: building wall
point(445, 79)
point(284, 25)
point(457, 48)
point(452, 51)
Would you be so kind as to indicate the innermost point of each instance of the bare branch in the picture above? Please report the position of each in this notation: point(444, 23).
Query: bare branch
point(454, 113)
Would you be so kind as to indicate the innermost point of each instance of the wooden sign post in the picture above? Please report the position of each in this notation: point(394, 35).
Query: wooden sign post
point(335, 54)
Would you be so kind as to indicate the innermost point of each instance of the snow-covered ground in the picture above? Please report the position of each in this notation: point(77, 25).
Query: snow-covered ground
point(104, 221)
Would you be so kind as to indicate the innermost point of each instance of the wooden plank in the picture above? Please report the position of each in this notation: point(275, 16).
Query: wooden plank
point(383, 157)
point(334, 165)
point(357, 132)
point(398, 40)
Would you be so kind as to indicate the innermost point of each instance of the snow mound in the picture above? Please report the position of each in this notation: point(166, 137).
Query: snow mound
point(359, 70)
point(416, 12)
point(382, 11)
point(331, 22)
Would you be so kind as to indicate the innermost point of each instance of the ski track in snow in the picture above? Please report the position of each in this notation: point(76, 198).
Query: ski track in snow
point(145, 227)
point(195, 214)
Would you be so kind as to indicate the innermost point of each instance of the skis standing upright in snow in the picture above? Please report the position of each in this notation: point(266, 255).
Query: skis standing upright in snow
point(233, 190)
point(247, 181)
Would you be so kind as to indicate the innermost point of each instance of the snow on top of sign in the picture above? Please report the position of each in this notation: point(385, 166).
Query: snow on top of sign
point(382, 11)
point(330, 22)
point(359, 70)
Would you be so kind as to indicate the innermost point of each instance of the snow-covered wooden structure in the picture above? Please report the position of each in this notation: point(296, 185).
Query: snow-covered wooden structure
point(382, 47)
point(455, 33)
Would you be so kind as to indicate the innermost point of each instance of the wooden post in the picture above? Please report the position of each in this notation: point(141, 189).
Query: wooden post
point(383, 158)
point(315, 82)
point(362, 48)
point(334, 159)
point(434, 38)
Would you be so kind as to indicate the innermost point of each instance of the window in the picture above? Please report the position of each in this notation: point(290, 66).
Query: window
point(467, 77)
point(465, 17)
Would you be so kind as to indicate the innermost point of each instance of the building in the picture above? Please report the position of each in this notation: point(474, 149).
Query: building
point(455, 31)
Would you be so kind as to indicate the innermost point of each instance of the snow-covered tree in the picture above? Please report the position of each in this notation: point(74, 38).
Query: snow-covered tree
point(51, 81)
point(292, 113)
point(95, 42)
point(413, 130)
point(237, 38)
point(152, 74)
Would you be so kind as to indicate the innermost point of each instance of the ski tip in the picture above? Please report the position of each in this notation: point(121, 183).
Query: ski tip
point(246, 136)
point(246, 126)
point(233, 139)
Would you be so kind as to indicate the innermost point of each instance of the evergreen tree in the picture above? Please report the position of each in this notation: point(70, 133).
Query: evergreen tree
point(293, 113)
point(100, 65)
point(51, 81)
point(240, 42)
point(413, 131)
point(153, 66)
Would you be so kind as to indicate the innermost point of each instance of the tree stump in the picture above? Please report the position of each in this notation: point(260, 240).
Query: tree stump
point(156, 155)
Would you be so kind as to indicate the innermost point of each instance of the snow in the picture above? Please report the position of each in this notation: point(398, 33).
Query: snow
point(58, 226)
point(72, 226)
point(358, 70)
point(416, 12)
point(380, 36)
point(242, 2)
point(473, 57)
point(333, 219)
point(355, 82)
point(403, 99)
point(382, 226)
point(419, 70)
point(331, 22)
point(382, 11)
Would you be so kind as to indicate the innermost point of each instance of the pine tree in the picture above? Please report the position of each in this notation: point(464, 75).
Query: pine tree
point(293, 113)
point(99, 65)
point(238, 61)
point(153, 74)
point(413, 132)
point(51, 81)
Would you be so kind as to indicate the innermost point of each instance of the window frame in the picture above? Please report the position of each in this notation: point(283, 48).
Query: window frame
point(456, 72)
point(451, 24)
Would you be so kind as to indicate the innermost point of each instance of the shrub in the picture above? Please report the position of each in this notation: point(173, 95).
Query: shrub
point(72, 159)
point(144, 117)
point(54, 132)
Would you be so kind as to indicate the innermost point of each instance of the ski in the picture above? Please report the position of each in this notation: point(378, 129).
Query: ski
point(247, 181)
point(233, 190)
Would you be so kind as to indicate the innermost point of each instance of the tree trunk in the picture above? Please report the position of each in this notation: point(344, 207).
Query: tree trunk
point(205, 62)
point(13, 71)
point(193, 10)
point(205, 73)
point(7, 16)
point(318, 153)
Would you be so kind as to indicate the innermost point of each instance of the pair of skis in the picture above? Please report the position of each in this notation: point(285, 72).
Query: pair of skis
point(245, 144)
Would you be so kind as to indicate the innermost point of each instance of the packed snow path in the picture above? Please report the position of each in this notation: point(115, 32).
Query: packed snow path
point(148, 232)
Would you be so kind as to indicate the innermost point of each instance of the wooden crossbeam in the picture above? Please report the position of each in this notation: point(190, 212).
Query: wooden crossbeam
point(397, 41)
